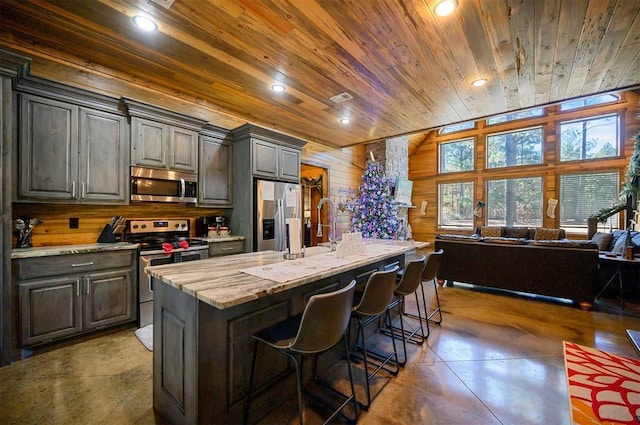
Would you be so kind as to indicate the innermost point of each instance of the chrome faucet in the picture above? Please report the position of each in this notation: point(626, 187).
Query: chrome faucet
point(332, 236)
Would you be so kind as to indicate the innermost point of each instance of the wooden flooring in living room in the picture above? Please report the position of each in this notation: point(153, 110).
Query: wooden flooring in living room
point(496, 359)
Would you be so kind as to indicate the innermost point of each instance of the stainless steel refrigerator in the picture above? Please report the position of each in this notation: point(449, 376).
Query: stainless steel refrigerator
point(274, 202)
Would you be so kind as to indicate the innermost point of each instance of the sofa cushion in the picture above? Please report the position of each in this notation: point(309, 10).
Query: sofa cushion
point(517, 232)
point(472, 238)
point(508, 241)
point(603, 240)
point(546, 234)
point(564, 243)
point(490, 231)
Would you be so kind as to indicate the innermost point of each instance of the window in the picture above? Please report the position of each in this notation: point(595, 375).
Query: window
point(455, 204)
point(589, 138)
point(522, 147)
point(456, 156)
point(582, 195)
point(453, 128)
point(512, 116)
point(514, 202)
point(589, 101)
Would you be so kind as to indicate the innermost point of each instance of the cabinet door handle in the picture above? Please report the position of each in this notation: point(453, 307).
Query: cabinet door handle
point(88, 285)
point(82, 190)
point(226, 249)
point(77, 289)
point(90, 263)
point(73, 189)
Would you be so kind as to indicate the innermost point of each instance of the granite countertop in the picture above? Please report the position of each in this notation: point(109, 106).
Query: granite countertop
point(44, 251)
point(218, 281)
point(220, 238)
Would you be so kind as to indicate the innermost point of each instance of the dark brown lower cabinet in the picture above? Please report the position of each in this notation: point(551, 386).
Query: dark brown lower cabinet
point(60, 303)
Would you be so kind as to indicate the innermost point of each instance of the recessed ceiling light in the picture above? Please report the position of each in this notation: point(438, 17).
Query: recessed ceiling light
point(144, 23)
point(445, 7)
point(278, 88)
point(479, 82)
point(345, 120)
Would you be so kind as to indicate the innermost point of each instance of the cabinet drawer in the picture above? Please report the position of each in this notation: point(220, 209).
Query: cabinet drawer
point(225, 248)
point(30, 268)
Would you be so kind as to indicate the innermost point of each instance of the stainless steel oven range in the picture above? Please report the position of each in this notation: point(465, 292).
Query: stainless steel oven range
point(161, 242)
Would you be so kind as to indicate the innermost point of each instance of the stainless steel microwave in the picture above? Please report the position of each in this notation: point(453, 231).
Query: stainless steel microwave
point(155, 185)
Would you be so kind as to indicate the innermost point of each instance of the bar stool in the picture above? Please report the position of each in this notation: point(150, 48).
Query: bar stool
point(409, 282)
point(318, 328)
point(430, 273)
point(369, 305)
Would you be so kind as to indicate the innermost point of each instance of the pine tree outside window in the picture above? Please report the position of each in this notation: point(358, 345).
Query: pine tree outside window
point(455, 204)
point(514, 202)
point(590, 138)
point(456, 156)
point(515, 148)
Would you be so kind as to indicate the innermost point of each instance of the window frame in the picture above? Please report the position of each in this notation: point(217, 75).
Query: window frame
point(587, 117)
point(519, 129)
point(587, 107)
point(612, 222)
point(439, 223)
point(474, 143)
point(487, 202)
point(542, 115)
point(442, 132)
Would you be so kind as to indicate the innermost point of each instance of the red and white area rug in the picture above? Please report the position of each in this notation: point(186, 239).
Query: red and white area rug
point(604, 388)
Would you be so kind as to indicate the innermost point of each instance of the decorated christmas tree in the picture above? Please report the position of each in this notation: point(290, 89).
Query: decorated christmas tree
point(375, 213)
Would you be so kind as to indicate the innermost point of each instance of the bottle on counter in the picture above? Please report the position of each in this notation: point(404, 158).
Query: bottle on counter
point(629, 248)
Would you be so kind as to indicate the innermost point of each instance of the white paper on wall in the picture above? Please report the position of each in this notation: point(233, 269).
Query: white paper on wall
point(268, 191)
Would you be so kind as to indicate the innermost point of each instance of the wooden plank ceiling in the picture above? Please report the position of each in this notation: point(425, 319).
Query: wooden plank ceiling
point(407, 69)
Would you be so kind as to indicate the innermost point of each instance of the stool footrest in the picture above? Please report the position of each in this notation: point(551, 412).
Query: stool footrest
point(380, 365)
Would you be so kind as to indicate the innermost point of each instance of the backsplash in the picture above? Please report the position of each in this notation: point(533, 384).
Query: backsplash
point(54, 227)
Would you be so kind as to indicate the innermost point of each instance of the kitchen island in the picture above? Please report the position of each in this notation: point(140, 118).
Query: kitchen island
point(206, 311)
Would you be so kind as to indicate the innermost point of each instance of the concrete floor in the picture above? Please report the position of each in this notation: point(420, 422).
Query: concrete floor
point(495, 359)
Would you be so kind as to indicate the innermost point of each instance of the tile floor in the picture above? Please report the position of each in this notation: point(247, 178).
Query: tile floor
point(496, 359)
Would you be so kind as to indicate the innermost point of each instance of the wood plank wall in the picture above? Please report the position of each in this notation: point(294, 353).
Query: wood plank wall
point(55, 230)
point(423, 162)
point(344, 167)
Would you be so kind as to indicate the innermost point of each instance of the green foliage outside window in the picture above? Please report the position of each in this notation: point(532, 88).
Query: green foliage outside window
point(456, 204)
point(523, 147)
point(456, 156)
point(514, 202)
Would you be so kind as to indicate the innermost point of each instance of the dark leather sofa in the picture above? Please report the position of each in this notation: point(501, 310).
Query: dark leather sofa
point(555, 268)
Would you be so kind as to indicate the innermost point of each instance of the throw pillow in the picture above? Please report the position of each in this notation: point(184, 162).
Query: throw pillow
point(490, 231)
point(517, 232)
point(546, 234)
point(603, 240)
point(620, 244)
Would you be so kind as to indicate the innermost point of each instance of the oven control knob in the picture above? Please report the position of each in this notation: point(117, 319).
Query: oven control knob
point(135, 226)
point(177, 225)
point(144, 226)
